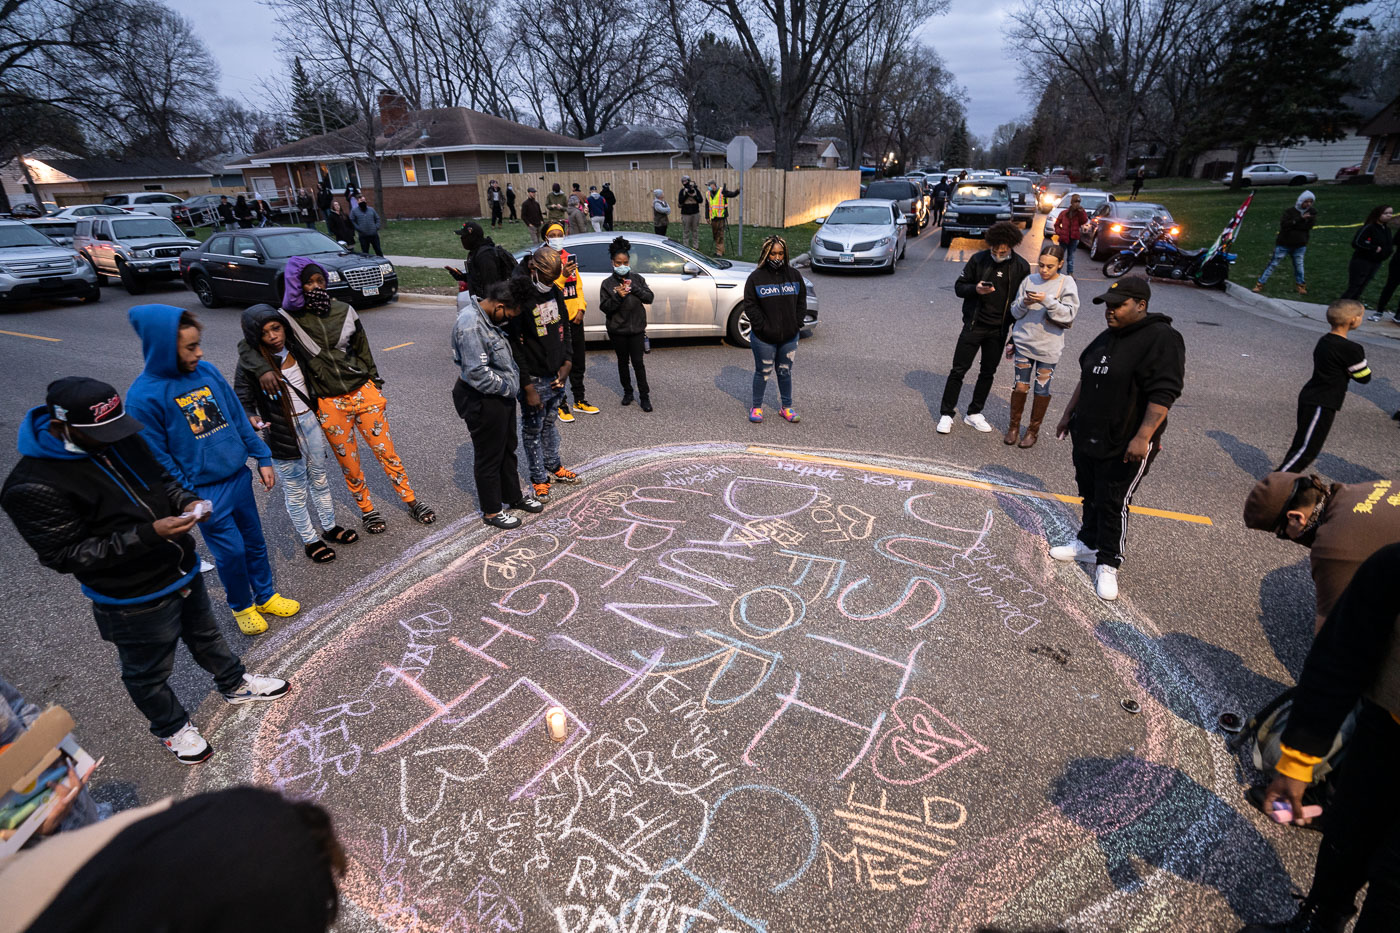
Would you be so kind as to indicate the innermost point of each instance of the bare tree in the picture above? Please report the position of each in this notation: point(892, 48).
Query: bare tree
point(681, 74)
point(922, 107)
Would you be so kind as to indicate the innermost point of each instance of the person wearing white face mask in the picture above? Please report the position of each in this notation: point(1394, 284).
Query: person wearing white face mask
point(623, 298)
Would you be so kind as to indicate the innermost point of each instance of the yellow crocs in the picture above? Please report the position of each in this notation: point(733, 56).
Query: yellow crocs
point(279, 605)
point(250, 621)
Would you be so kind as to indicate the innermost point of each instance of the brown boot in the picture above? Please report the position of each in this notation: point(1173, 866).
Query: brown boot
point(1258, 287)
point(1302, 289)
point(1018, 405)
point(1038, 407)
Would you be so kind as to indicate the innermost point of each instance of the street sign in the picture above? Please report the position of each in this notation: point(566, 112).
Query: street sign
point(741, 154)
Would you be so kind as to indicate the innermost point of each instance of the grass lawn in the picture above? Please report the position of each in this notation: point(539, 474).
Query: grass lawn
point(1340, 211)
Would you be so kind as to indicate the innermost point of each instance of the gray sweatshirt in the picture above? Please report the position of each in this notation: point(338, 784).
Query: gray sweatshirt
point(366, 220)
point(1039, 331)
point(483, 354)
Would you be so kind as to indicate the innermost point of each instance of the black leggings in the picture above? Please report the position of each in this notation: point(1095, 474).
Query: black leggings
point(491, 421)
point(1314, 422)
point(1359, 274)
point(630, 347)
point(1392, 282)
point(578, 355)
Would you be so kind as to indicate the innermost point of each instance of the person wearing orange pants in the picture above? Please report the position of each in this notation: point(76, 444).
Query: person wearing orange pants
point(364, 409)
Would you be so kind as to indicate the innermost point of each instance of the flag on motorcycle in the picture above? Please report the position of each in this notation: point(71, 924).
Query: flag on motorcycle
point(1231, 231)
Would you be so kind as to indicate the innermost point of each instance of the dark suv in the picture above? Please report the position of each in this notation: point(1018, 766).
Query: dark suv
point(973, 207)
point(246, 266)
point(910, 196)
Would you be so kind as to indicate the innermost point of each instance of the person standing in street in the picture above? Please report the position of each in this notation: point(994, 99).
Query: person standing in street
point(495, 201)
point(941, 192)
point(487, 263)
point(557, 205)
point(307, 208)
point(532, 216)
point(510, 200)
point(717, 212)
point(1129, 377)
point(988, 284)
point(623, 298)
point(1337, 362)
point(660, 213)
point(195, 426)
point(1371, 247)
point(597, 208)
point(484, 397)
point(1138, 178)
point(575, 304)
point(775, 300)
point(365, 220)
point(93, 501)
point(1045, 306)
point(689, 201)
point(1294, 228)
point(611, 200)
point(1068, 227)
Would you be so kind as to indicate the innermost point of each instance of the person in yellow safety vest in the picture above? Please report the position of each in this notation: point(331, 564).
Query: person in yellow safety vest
point(575, 304)
point(717, 210)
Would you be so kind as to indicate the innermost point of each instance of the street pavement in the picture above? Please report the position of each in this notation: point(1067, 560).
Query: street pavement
point(815, 676)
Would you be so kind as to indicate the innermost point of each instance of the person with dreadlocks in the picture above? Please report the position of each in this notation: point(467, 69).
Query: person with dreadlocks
point(775, 299)
point(623, 298)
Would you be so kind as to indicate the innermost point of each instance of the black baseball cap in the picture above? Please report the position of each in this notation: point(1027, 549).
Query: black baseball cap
point(470, 226)
point(1130, 286)
point(92, 407)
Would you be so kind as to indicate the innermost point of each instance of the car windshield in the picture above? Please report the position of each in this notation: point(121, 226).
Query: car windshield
point(980, 194)
point(894, 190)
point(866, 214)
point(1090, 202)
point(300, 243)
point(136, 229)
point(61, 228)
point(14, 235)
point(115, 199)
point(1146, 212)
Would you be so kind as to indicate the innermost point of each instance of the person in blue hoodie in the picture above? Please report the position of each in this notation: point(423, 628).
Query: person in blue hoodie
point(92, 500)
point(194, 424)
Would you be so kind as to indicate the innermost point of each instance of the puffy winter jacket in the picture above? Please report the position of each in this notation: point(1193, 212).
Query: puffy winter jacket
point(281, 432)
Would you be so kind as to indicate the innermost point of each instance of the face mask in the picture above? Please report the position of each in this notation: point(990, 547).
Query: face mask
point(555, 242)
point(774, 264)
point(621, 271)
point(1000, 259)
point(318, 300)
point(544, 287)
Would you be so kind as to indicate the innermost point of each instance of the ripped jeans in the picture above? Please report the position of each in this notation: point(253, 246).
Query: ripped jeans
point(1043, 373)
point(765, 357)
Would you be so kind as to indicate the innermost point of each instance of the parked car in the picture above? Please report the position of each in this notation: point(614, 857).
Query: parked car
point(907, 194)
point(861, 232)
point(136, 248)
point(144, 202)
point(1023, 200)
point(25, 210)
point(1090, 200)
point(1114, 225)
point(246, 266)
point(973, 207)
point(1271, 173)
point(198, 211)
point(696, 295)
point(86, 210)
point(1348, 171)
point(33, 266)
point(55, 228)
point(1051, 189)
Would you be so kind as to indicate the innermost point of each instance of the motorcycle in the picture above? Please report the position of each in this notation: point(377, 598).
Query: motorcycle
point(1163, 259)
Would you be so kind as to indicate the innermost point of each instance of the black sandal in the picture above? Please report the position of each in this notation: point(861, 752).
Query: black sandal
point(421, 513)
point(373, 521)
point(320, 552)
point(341, 535)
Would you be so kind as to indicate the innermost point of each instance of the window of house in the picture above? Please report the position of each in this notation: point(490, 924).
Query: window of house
point(1395, 148)
point(437, 169)
point(342, 173)
point(410, 173)
point(634, 164)
point(551, 161)
point(152, 187)
point(512, 163)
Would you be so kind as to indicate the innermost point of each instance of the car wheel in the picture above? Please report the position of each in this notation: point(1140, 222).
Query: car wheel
point(132, 282)
point(902, 250)
point(914, 227)
point(739, 327)
point(1094, 253)
point(101, 279)
point(1298, 180)
point(204, 290)
point(945, 240)
point(92, 297)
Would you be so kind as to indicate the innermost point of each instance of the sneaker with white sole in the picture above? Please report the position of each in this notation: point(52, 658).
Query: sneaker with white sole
point(255, 688)
point(1075, 550)
point(188, 745)
point(978, 422)
point(1106, 582)
point(945, 425)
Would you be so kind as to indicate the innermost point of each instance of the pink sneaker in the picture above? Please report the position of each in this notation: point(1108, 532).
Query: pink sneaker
point(789, 414)
point(755, 415)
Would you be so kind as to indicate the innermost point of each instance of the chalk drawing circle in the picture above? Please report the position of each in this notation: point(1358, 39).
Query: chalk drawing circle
point(793, 605)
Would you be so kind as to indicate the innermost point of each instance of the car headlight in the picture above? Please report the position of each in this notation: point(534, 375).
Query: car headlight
point(1174, 231)
point(950, 216)
point(386, 268)
point(1006, 216)
point(887, 241)
point(332, 276)
point(1116, 228)
point(141, 254)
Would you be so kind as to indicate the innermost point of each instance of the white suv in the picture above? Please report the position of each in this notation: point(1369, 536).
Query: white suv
point(146, 202)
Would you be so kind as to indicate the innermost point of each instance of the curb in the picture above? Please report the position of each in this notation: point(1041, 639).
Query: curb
point(1306, 310)
point(434, 299)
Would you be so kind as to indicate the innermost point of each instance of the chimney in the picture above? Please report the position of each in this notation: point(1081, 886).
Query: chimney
point(393, 112)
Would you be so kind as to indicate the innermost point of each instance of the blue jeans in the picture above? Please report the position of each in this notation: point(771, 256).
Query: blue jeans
point(145, 636)
point(235, 538)
point(765, 357)
point(309, 475)
point(1025, 364)
point(1071, 247)
point(1279, 252)
point(540, 429)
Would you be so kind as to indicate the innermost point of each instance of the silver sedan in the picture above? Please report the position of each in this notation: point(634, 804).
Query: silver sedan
point(861, 233)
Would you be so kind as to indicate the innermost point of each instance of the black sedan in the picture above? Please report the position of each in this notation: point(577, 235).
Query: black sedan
point(1114, 225)
point(245, 266)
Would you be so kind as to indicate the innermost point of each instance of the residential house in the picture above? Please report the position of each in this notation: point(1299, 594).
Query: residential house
point(435, 162)
point(641, 146)
point(1382, 132)
point(67, 179)
point(811, 151)
point(1311, 155)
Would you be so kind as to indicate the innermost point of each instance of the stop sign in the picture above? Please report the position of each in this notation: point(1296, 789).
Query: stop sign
point(741, 153)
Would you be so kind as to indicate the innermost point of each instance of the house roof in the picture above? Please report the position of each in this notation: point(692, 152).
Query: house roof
point(639, 138)
point(441, 129)
point(1385, 123)
point(129, 167)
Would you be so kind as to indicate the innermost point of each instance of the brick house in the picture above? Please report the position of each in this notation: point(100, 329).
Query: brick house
point(435, 163)
point(1383, 153)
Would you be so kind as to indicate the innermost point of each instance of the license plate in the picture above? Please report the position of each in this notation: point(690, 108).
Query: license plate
point(370, 291)
point(848, 257)
point(172, 267)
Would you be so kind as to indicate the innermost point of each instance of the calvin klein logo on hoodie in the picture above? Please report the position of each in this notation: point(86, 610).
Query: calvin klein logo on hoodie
point(201, 411)
point(773, 291)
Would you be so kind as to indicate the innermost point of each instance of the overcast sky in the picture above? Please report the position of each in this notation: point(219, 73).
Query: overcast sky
point(968, 37)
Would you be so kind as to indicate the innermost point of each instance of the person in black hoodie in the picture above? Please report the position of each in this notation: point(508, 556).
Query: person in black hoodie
point(92, 500)
point(623, 298)
point(775, 300)
point(1129, 376)
point(987, 286)
point(1371, 247)
point(486, 262)
point(288, 424)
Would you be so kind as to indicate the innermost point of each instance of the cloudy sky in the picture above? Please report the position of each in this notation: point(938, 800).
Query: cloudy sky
point(969, 38)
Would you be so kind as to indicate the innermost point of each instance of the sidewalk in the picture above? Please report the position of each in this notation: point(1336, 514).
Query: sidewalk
point(426, 262)
point(1306, 309)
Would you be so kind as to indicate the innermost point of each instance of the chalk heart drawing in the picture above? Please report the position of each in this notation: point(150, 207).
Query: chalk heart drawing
point(759, 659)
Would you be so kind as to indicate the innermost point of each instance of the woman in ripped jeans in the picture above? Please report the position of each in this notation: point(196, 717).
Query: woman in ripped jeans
point(775, 300)
point(1045, 306)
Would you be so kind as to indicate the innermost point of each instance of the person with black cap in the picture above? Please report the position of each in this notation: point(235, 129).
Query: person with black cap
point(689, 201)
point(1129, 376)
point(532, 215)
point(487, 263)
point(92, 500)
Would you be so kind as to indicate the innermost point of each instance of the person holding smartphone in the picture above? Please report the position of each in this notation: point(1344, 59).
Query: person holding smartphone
point(623, 298)
point(1044, 309)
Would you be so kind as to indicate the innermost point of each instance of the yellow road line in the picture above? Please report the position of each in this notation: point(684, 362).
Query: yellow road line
point(397, 346)
point(968, 483)
point(15, 333)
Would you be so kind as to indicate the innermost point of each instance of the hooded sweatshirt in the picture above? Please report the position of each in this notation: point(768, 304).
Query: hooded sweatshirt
point(194, 422)
point(281, 433)
point(93, 514)
point(1120, 372)
point(537, 335)
point(1295, 227)
point(776, 303)
point(994, 308)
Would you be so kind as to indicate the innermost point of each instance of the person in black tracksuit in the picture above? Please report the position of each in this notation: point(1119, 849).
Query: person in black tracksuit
point(987, 286)
point(1129, 377)
point(1371, 247)
point(485, 265)
point(623, 299)
point(1336, 362)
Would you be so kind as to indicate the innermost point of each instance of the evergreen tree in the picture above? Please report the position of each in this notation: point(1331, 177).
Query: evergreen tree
point(957, 151)
point(315, 108)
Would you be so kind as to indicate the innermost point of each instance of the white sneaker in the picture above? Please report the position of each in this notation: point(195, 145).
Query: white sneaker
point(255, 688)
point(205, 566)
point(978, 422)
point(1106, 582)
point(945, 425)
point(188, 745)
point(1374, 316)
point(1075, 550)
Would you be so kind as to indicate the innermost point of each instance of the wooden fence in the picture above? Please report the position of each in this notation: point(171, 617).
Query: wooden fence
point(772, 198)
